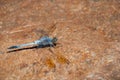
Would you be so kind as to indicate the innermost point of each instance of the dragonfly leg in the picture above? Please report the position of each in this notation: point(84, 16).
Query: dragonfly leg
point(52, 45)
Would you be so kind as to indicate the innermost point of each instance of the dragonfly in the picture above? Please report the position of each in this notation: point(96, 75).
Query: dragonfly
point(44, 41)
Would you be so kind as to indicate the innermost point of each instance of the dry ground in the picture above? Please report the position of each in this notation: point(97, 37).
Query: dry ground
point(88, 33)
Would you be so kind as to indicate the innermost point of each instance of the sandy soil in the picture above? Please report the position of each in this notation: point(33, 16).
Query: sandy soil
point(88, 46)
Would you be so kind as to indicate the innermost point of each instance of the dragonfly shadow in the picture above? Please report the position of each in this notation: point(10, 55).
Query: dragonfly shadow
point(35, 47)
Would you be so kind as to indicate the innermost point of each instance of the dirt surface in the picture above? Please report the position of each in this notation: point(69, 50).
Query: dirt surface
point(88, 46)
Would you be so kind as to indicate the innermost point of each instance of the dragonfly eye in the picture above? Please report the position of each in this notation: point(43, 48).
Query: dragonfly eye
point(54, 39)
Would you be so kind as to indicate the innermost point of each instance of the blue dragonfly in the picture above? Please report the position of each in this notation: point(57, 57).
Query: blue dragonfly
point(44, 41)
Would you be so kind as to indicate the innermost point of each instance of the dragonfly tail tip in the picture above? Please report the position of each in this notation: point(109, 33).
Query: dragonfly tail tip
point(13, 47)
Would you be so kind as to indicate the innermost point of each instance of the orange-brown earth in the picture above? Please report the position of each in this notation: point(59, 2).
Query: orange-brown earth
point(88, 33)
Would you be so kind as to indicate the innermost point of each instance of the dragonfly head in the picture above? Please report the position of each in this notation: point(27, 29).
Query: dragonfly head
point(54, 39)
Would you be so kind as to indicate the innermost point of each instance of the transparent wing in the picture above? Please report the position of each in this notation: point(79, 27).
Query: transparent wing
point(46, 31)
